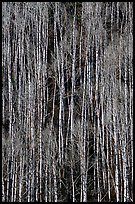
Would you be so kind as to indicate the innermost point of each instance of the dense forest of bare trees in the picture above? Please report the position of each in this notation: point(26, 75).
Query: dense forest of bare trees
point(67, 101)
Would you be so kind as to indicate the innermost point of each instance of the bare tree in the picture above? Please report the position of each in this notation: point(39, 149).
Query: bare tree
point(67, 101)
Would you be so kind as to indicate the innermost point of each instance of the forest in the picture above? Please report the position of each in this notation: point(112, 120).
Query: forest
point(67, 101)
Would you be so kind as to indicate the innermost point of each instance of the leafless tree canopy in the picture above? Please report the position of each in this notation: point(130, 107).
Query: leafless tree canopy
point(67, 94)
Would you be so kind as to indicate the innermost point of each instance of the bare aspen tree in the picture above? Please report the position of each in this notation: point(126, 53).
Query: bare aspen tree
point(67, 101)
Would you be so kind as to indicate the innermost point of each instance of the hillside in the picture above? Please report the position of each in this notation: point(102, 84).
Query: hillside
point(67, 101)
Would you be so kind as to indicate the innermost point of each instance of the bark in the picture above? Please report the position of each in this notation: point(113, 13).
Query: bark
point(67, 101)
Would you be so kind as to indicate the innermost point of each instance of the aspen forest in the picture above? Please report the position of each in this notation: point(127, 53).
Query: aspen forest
point(67, 101)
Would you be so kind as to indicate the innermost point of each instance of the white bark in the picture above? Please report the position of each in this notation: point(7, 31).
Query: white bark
point(91, 46)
